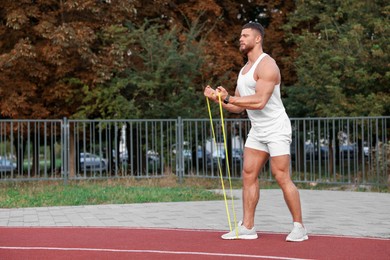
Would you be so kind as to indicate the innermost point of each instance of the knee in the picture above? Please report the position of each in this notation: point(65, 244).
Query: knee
point(248, 177)
point(283, 179)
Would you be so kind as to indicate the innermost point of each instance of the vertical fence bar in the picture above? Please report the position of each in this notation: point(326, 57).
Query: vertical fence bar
point(12, 146)
point(65, 149)
point(179, 149)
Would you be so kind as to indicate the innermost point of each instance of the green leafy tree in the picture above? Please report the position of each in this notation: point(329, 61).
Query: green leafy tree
point(160, 80)
point(164, 87)
point(342, 58)
point(221, 25)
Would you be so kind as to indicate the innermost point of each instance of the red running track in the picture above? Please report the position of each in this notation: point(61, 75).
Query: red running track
point(140, 243)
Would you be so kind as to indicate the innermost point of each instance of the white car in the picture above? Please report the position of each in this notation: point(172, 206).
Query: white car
point(6, 165)
point(92, 162)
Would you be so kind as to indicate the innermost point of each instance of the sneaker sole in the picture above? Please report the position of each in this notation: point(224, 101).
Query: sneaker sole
point(241, 237)
point(298, 240)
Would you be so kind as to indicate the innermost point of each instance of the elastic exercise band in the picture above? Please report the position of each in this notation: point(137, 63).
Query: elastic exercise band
point(227, 162)
point(219, 165)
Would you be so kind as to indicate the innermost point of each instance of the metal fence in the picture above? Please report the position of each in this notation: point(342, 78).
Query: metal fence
point(323, 150)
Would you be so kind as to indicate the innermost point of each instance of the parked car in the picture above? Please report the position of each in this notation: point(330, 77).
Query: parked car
point(153, 159)
point(7, 165)
point(237, 155)
point(123, 156)
point(366, 149)
point(187, 153)
point(348, 150)
point(153, 156)
point(92, 162)
point(219, 154)
point(309, 149)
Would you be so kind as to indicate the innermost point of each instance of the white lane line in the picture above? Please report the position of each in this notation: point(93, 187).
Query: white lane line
point(148, 251)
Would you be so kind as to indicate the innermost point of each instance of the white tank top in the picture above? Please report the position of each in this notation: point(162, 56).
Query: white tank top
point(273, 114)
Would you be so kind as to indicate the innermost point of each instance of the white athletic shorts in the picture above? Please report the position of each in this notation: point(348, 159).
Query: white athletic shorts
point(275, 142)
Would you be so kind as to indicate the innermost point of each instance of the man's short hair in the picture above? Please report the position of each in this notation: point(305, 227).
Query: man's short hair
point(255, 26)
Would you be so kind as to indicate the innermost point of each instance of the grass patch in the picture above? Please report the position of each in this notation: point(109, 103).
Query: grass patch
point(130, 190)
point(97, 192)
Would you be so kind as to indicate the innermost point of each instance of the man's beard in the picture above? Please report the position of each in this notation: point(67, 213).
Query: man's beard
point(244, 49)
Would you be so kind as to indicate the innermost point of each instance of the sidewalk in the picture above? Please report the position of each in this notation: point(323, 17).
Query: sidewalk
point(361, 214)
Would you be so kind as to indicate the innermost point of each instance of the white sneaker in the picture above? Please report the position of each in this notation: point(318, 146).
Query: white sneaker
point(298, 233)
point(241, 232)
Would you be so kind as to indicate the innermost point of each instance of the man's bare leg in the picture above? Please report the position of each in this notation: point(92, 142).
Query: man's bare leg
point(254, 160)
point(281, 171)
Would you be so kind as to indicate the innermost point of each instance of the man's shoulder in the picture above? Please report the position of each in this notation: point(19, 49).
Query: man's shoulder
point(268, 60)
point(267, 65)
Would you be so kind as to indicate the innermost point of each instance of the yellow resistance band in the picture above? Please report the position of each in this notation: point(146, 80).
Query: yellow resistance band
point(227, 162)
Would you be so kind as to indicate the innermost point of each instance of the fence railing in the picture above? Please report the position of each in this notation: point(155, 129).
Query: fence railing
point(323, 150)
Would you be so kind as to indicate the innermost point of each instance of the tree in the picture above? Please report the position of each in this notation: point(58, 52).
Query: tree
point(221, 23)
point(161, 78)
point(57, 58)
point(342, 56)
point(51, 50)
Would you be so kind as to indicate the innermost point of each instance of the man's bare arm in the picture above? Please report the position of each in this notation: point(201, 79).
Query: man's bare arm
point(231, 107)
point(268, 76)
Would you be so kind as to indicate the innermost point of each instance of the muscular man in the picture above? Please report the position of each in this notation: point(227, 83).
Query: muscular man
point(258, 91)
